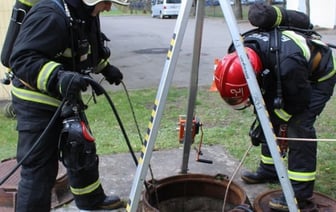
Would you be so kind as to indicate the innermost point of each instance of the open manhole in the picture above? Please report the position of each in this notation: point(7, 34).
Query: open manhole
point(152, 51)
point(192, 192)
point(60, 193)
point(322, 203)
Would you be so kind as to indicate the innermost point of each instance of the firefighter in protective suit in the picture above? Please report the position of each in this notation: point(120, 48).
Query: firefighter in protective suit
point(59, 43)
point(296, 82)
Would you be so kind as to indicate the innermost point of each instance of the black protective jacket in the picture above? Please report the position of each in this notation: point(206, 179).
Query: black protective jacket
point(54, 36)
point(292, 64)
point(295, 60)
point(58, 38)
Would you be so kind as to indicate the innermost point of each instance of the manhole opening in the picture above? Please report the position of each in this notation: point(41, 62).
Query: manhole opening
point(190, 193)
point(192, 204)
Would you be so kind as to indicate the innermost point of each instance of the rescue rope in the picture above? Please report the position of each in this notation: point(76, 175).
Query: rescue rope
point(305, 139)
point(234, 174)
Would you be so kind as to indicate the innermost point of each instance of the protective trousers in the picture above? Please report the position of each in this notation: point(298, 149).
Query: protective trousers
point(86, 187)
point(302, 154)
point(39, 170)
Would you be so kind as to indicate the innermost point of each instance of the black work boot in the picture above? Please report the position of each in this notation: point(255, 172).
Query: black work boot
point(259, 176)
point(110, 203)
point(279, 203)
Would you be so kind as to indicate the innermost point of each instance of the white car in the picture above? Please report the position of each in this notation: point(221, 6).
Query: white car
point(165, 8)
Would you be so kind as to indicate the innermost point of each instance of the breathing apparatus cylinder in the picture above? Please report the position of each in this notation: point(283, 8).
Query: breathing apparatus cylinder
point(266, 16)
point(76, 145)
point(20, 9)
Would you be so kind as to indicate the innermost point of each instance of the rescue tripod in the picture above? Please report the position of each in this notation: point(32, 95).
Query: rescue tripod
point(166, 79)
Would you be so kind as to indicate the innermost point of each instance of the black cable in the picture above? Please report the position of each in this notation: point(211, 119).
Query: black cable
point(98, 88)
point(137, 126)
point(49, 126)
point(132, 109)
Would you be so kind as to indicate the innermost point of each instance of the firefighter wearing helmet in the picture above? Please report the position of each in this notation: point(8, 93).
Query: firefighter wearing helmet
point(230, 80)
point(296, 75)
point(60, 43)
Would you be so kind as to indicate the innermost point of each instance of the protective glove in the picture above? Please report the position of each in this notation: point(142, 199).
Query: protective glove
point(256, 133)
point(70, 84)
point(112, 74)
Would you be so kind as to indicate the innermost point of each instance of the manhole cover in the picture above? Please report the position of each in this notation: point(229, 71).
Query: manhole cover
point(322, 202)
point(152, 51)
point(60, 193)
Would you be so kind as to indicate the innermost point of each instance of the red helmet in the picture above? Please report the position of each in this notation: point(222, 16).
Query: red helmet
point(230, 79)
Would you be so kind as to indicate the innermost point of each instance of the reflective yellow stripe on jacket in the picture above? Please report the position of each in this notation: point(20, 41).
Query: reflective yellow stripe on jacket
point(35, 96)
point(102, 64)
point(282, 114)
point(29, 2)
point(300, 41)
point(88, 189)
point(332, 73)
point(44, 75)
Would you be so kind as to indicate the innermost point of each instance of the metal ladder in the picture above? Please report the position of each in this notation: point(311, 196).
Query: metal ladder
point(161, 96)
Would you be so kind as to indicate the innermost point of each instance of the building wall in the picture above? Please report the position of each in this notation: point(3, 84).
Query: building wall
point(5, 14)
point(322, 12)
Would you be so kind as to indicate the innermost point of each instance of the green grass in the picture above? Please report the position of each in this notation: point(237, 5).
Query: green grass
point(221, 126)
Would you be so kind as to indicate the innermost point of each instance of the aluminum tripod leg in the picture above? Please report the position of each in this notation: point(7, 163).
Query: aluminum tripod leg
point(162, 93)
point(259, 106)
point(160, 101)
point(193, 85)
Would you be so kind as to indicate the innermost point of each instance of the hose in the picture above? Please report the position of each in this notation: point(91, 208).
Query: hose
point(100, 90)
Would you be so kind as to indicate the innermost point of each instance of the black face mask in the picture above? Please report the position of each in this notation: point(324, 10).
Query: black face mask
point(89, 9)
point(81, 9)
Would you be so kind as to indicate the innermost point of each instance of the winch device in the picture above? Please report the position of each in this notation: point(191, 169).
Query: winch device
point(196, 129)
point(196, 124)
